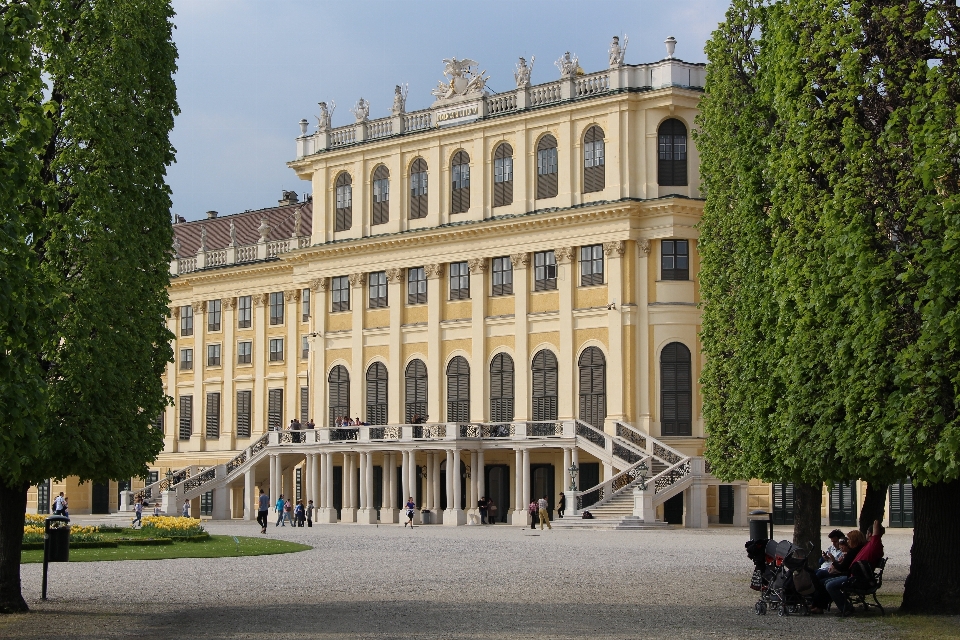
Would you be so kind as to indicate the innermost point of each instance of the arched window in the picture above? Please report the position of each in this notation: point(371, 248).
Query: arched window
point(381, 195)
point(672, 154)
point(377, 393)
point(501, 388)
point(418, 189)
point(546, 167)
point(458, 390)
point(503, 175)
point(415, 396)
point(344, 215)
point(460, 182)
point(593, 387)
point(545, 385)
point(594, 160)
point(676, 391)
point(338, 383)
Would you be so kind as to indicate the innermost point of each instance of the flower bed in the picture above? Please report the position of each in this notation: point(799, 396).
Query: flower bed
point(172, 527)
point(33, 533)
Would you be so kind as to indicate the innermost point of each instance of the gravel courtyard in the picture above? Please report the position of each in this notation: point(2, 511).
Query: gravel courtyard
point(436, 582)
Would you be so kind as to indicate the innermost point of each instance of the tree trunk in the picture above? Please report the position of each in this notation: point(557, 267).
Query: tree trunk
point(13, 504)
point(874, 506)
point(933, 585)
point(807, 502)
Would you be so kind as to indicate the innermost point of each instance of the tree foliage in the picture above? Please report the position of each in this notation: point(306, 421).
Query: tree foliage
point(829, 268)
point(88, 104)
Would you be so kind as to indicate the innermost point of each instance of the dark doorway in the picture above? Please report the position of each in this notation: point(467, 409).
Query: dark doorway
point(673, 510)
point(901, 504)
point(782, 503)
point(726, 504)
point(443, 485)
point(843, 505)
point(43, 497)
point(378, 489)
point(206, 503)
point(338, 490)
point(589, 476)
point(101, 497)
point(497, 482)
point(401, 499)
point(543, 483)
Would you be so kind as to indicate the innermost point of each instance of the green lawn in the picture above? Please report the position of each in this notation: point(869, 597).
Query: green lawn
point(216, 547)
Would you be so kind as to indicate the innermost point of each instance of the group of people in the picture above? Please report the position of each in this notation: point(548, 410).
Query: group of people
point(296, 425)
point(488, 510)
point(539, 508)
point(838, 562)
point(296, 513)
point(346, 421)
point(138, 507)
point(60, 506)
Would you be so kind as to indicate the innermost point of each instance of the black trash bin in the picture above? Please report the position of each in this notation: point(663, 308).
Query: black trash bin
point(761, 525)
point(57, 539)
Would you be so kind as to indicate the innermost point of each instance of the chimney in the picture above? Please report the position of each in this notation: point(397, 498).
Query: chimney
point(211, 214)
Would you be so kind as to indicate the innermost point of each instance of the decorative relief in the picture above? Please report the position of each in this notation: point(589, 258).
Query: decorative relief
point(175, 312)
point(618, 248)
point(229, 303)
point(433, 271)
point(198, 307)
point(643, 247)
point(291, 296)
point(261, 299)
point(320, 284)
point(394, 275)
point(477, 265)
point(564, 254)
point(464, 79)
point(358, 279)
point(520, 260)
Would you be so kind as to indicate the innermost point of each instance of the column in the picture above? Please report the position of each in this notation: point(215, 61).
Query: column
point(318, 324)
point(250, 495)
point(395, 299)
point(566, 469)
point(228, 394)
point(474, 497)
point(315, 490)
point(197, 438)
point(517, 517)
point(388, 510)
point(481, 479)
point(367, 514)
point(306, 477)
point(436, 487)
point(526, 478)
point(435, 374)
point(260, 355)
point(328, 513)
point(348, 512)
point(645, 368)
point(428, 497)
point(455, 515)
point(521, 293)
point(479, 369)
point(448, 479)
point(405, 474)
point(291, 353)
point(613, 252)
point(413, 478)
point(575, 460)
point(358, 302)
point(369, 477)
point(275, 490)
point(567, 358)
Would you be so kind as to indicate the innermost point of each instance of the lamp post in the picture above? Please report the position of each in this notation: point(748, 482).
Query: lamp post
point(573, 470)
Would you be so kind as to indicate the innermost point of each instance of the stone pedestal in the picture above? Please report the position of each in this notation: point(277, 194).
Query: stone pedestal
point(643, 505)
point(326, 516)
point(126, 501)
point(348, 514)
point(519, 518)
point(390, 515)
point(221, 503)
point(366, 516)
point(454, 517)
point(170, 503)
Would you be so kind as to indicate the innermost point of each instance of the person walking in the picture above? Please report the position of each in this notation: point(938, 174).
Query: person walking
point(58, 505)
point(263, 506)
point(561, 504)
point(288, 512)
point(533, 508)
point(279, 507)
point(410, 507)
point(186, 509)
point(482, 508)
point(310, 509)
point(138, 511)
point(542, 506)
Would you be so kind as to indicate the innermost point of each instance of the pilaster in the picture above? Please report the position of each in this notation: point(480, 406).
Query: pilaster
point(197, 438)
point(521, 344)
point(259, 357)
point(613, 252)
point(395, 362)
point(228, 350)
point(641, 336)
point(318, 326)
point(291, 353)
point(358, 303)
point(479, 372)
point(435, 372)
point(566, 283)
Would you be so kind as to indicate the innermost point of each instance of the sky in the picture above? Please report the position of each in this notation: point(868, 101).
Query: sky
point(249, 70)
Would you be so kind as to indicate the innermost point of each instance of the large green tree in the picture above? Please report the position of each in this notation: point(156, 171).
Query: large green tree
point(88, 101)
point(852, 211)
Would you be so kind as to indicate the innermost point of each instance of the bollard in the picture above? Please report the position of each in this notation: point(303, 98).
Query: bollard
point(56, 545)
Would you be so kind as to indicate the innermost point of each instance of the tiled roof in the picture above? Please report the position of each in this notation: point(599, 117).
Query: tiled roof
point(280, 219)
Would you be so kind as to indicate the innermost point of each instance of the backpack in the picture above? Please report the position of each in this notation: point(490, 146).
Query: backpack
point(587, 515)
point(803, 582)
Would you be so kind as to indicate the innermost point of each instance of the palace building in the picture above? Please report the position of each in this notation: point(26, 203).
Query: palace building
point(500, 289)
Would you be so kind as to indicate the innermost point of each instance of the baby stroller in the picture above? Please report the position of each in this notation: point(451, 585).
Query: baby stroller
point(781, 576)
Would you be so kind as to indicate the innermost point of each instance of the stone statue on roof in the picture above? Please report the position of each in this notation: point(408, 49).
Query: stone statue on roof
point(464, 79)
point(233, 234)
point(522, 74)
point(203, 238)
point(323, 120)
point(296, 223)
point(176, 246)
point(617, 52)
point(361, 111)
point(399, 99)
point(568, 65)
point(264, 229)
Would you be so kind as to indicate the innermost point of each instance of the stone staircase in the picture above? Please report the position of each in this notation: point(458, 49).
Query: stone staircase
point(614, 515)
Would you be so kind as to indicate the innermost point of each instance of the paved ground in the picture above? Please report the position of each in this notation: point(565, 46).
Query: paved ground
point(436, 582)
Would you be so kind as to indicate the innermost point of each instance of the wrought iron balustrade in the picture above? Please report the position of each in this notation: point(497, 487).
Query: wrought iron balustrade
point(197, 481)
point(341, 434)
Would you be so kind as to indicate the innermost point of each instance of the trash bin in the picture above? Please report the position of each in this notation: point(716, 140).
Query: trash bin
point(426, 517)
point(57, 539)
point(761, 525)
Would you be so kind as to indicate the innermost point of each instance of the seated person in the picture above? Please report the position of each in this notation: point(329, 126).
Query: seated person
point(833, 551)
point(849, 548)
point(871, 553)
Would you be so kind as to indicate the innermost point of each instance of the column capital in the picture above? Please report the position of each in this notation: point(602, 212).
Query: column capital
point(643, 248)
point(477, 265)
point(320, 284)
point(229, 303)
point(563, 254)
point(520, 259)
point(394, 275)
point(357, 279)
point(175, 312)
point(433, 271)
point(618, 248)
point(198, 307)
point(291, 295)
point(261, 299)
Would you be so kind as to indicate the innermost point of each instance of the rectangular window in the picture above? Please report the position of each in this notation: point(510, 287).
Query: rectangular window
point(213, 315)
point(186, 359)
point(461, 176)
point(378, 289)
point(304, 347)
point(304, 405)
point(344, 196)
point(674, 260)
point(213, 415)
point(186, 320)
point(243, 414)
point(547, 161)
point(591, 265)
point(459, 281)
point(276, 349)
point(341, 294)
point(244, 352)
point(503, 169)
point(213, 355)
point(276, 308)
point(502, 276)
point(186, 417)
point(416, 285)
point(381, 201)
point(593, 154)
point(418, 195)
point(275, 409)
point(544, 271)
point(305, 305)
point(244, 312)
